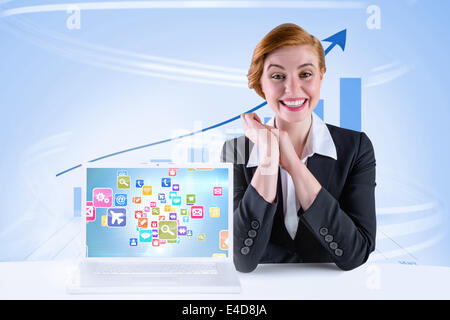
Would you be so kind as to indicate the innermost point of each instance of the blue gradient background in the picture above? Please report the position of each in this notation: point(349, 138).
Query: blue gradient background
point(72, 95)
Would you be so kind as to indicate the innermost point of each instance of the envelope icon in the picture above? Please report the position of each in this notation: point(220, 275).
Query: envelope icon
point(217, 191)
point(197, 212)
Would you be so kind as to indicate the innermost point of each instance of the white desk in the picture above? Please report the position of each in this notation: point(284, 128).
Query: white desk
point(47, 280)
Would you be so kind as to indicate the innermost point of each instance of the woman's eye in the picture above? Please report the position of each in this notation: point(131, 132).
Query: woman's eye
point(277, 76)
point(306, 75)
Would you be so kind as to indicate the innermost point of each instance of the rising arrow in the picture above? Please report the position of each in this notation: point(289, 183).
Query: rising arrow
point(336, 39)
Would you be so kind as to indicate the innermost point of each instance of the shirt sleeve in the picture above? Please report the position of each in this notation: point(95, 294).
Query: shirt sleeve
point(346, 227)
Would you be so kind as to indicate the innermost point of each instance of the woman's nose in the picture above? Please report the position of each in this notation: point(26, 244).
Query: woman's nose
point(293, 86)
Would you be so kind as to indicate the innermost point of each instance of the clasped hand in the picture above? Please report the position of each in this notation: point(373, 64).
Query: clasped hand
point(275, 145)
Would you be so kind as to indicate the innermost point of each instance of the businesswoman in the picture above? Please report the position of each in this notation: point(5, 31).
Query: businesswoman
point(303, 189)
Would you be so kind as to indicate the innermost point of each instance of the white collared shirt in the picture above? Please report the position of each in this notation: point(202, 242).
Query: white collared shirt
point(319, 141)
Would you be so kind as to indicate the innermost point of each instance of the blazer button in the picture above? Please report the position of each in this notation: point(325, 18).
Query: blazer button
point(255, 224)
point(323, 231)
point(245, 250)
point(333, 245)
point(252, 233)
point(248, 242)
point(328, 238)
point(338, 252)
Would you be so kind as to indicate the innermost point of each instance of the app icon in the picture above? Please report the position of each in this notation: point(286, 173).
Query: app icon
point(172, 172)
point(155, 242)
point(167, 208)
point(214, 212)
point(201, 237)
point(117, 217)
point(161, 218)
point(183, 212)
point(133, 242)
point(145, 236)
point(172, 194)
point(172, 216)
point(90, 211)
point(122, 173)
point(176, 187)
point(176, 201)
point(104, 221)
point(223, 239)
point(147, 190)
point(197, 212)
point(147, 209)
point(143, 223)
point(102, 197)
point(155, 233)
point(123, 182)
point(182, 230)
point(139, 183)
point(186, 219)
point(161, 196)
point(189, 233)
point(155, 211)
point(168, 230)
point(120, 200)
point(154, 224)
point(165, 182)
point(137, 200)
point(190, 198)
point(139, 214)
point(217, 191)
point(152, 204)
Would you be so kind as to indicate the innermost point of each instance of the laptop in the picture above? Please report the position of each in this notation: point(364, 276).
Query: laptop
point(157, 227)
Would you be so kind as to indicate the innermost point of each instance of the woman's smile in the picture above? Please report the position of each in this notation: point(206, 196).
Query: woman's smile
point(294, 104)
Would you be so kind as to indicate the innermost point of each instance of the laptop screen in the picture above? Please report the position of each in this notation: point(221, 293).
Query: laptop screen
point(157, 212)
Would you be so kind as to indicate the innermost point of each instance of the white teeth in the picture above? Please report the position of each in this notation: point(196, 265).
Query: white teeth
point(296, 103)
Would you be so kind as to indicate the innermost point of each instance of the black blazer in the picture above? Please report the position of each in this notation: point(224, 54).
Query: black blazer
point(338, 227)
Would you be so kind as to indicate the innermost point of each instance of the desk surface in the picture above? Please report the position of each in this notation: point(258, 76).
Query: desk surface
point(47, 280)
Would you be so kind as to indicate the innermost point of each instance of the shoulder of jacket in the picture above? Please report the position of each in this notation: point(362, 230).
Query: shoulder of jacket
point(343, 136)
point(349, 141)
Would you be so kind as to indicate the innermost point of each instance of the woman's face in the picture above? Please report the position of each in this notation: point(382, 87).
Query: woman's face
point(291, 82)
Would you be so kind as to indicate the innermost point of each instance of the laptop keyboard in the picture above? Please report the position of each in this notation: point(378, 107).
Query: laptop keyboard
point(156, 269)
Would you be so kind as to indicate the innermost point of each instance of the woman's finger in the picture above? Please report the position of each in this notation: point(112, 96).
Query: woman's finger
point(275, 131)
point(253, 121)
point(256, 117)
